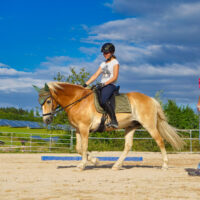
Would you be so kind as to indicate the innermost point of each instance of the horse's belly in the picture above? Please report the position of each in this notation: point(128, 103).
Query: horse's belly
point(124, 120)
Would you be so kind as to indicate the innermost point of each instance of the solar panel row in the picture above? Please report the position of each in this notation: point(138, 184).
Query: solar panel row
point(29, 124)
point(16, 123)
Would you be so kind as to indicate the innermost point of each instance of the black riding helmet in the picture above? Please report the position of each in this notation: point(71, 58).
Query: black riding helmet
point(108, 48)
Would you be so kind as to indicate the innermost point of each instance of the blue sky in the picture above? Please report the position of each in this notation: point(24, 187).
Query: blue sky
point(157, 45)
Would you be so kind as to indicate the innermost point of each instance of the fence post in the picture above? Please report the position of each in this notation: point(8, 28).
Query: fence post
point(71, 139)
point(50, 143)
point(30, 141)
point(190, 141)
point(11, 140)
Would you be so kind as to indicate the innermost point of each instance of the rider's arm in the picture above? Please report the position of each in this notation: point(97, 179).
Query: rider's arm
point(115, 75)
point(94, 76)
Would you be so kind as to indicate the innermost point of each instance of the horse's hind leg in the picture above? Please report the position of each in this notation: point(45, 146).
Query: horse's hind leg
point(156, 135)
point(91, 158)
point(129, 132)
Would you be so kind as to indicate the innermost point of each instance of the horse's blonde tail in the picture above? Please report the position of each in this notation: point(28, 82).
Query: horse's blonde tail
point(167, 132)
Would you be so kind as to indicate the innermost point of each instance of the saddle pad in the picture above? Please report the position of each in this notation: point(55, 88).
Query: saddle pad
point(122, 104)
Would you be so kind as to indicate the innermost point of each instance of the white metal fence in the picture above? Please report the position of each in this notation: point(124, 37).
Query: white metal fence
point(29, 142)
point(35, 142)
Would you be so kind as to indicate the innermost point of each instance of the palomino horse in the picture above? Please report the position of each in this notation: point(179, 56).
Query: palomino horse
point(78, 102)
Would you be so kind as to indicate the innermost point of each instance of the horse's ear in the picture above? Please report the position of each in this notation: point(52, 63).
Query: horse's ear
point(36, 88)
point(46, 87)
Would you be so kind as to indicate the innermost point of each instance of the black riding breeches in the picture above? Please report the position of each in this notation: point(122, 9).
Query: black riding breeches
point(106, 92)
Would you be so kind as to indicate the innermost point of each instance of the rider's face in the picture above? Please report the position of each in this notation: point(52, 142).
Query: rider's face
point(107, 55)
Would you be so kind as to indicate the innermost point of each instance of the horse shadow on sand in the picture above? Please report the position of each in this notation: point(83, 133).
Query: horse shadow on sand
point(109, 166)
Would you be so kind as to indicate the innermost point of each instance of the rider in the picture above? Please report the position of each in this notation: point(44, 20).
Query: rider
point(109, 70)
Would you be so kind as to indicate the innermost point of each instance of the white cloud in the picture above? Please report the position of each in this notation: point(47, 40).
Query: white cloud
point(89, 51)
point(57, 60)
point(186, 10)
point(174, 70)
point(10, 71)
point(178, 23)
point(13, 80)
point(157, 31)
point(3, 65)
point(21, 85)
point(7, 70)
point(21, 82)
point(146, 7)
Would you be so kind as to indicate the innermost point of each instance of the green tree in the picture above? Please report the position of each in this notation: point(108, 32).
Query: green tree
point(31, 113)
point(182, 117)
point(37, 114)
point(12, 113)
point(78, 78)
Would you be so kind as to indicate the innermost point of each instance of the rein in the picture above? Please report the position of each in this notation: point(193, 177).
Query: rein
point(77, 101)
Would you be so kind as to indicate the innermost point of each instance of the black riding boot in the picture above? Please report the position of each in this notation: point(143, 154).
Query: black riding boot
point(110, 110)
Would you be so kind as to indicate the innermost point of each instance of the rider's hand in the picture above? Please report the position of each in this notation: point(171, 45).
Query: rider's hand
point(100, 85)
point(85, 85)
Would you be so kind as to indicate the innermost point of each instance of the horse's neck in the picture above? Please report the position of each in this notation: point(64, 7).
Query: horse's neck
point(68, 94)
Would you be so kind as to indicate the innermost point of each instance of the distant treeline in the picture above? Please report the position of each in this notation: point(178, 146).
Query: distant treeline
point(13, 113)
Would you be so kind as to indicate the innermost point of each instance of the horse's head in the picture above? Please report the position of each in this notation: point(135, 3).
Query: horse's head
point(47, 103)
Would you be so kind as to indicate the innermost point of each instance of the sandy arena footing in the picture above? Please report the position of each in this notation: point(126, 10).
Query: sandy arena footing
point(27, 177)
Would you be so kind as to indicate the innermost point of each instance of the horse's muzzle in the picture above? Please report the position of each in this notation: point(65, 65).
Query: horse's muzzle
point(48, 119)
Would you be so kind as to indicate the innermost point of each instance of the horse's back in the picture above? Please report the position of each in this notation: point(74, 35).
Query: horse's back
point(142, 104)
point(138, 97)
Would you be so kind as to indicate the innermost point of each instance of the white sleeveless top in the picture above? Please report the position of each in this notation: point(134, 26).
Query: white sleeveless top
point(107, 70)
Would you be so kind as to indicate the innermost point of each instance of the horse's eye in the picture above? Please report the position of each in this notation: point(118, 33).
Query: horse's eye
point(49, 101)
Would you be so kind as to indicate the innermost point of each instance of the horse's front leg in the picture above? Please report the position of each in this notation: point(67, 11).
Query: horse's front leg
point(84, 133)
point(90, 158)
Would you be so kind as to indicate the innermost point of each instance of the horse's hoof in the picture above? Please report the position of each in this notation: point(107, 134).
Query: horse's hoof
point(164, 167)
point(81, 167)
point(116, 167)
point(95, 161)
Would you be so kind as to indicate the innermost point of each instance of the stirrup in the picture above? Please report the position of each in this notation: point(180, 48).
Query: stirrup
point(111, 124)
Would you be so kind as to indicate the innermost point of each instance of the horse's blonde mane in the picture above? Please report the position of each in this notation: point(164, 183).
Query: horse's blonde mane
point(54, 85)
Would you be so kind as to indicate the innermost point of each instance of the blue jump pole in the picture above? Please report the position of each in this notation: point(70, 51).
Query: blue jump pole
point(77, 158)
